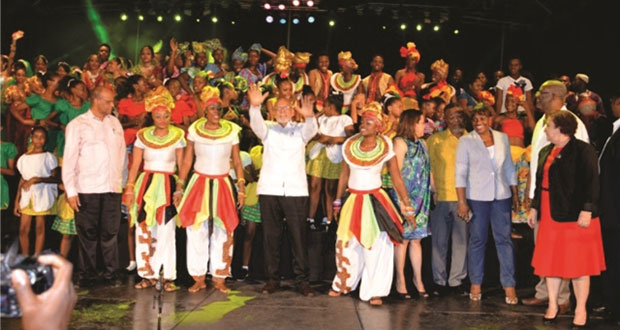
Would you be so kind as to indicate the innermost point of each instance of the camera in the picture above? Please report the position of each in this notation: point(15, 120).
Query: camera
point(40, 277)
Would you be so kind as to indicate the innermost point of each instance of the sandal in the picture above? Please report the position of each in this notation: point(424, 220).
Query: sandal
point(169, 286)
point(333, 293)
point(144, 284)
point(375, 301)
point(511, 296)
point(475, 292)
point(220, 284)
point(423, 294)
point(402, 296)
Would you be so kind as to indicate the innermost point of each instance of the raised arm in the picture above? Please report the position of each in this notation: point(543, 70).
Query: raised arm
point(257, 123)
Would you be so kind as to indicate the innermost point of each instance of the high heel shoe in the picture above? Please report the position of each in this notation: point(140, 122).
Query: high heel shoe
point(582, 326)
point(551, 320)
point(402, 296)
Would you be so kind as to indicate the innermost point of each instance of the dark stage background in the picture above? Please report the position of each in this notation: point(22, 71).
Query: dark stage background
point(551, 36)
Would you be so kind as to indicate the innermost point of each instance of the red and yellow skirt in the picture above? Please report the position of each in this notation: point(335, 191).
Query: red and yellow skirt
point(209, 196)
point(153, 199)
point(365, 214)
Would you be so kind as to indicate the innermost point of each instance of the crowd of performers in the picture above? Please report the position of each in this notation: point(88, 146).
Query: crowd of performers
point(208, 146)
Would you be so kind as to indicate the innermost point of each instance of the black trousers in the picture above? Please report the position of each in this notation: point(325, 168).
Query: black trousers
point(274, 209)
point(99, 219)
point(611, 276)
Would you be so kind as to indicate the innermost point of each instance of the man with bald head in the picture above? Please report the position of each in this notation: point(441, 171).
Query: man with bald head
point(551, 96)
point(91, 173)
point(282, 186)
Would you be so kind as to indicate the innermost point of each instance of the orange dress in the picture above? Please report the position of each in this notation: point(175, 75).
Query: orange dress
point(130, 109)
point(563, 249)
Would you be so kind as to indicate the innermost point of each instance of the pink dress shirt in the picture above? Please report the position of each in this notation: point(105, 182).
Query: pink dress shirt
point(94, 155)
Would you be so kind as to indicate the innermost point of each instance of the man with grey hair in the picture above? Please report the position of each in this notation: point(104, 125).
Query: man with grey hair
point(550, 98)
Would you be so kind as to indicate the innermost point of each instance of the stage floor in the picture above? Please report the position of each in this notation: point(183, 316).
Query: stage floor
point(246, 308)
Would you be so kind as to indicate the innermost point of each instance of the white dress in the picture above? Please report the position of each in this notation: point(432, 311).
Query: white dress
point(40, 196)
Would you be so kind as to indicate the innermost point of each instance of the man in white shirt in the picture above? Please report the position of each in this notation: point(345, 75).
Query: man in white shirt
point(92, 175)
point(514, 79)
point(551, 100)
point(282, 186)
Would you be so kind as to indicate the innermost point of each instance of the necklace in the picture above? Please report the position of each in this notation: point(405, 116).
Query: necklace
point(213, 134)
point(345, 85)
point(147, 136)
point(357, 156)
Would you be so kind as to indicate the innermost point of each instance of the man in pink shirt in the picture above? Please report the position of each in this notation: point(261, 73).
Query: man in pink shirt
point(92, 174)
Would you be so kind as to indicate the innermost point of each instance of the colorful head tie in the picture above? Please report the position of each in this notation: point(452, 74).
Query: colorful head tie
point(393, 91)
point(301, 59)
point(159, 98)
point(346, 59)
point(440, 66)
point(486, 96)
point(240, 55)
point(199, 47)
point(410, 51)
point(241, 84)
point(374, 111)
point(256, 47)
point(283, 62)
point(210, 95)
point(516, 92)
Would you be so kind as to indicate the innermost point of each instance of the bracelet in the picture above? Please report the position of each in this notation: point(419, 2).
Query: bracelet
point(177, 192)
point(241, 193)
point(337, 202)
point(242, 180)
point(181, 182)
point(129, 185)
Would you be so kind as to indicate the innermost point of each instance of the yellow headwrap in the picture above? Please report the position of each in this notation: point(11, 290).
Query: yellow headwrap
point(410, 51)
point(301, 59)
point(283, 62)
point(346, 58)
point(159, 98)
point(374, 110)
point(440, 66)
point(210, 94)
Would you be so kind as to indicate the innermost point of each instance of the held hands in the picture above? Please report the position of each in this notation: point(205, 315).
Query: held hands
point(74, 202)
point(307, 107)
point(532, 218)
point(337, 206)
point(128, 198)
point(409, 213)
point(178, 195)
point(255, 97)
point(515, 203)
point(26, 186)
point(584, 219)
point(240, 199)
point(463, 211)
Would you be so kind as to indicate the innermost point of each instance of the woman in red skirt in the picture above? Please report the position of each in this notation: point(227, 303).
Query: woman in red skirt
point(569, 241)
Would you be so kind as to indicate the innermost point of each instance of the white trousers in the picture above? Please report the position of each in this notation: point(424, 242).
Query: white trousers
point(214, 251)
point(156, 248)
point(374, 267)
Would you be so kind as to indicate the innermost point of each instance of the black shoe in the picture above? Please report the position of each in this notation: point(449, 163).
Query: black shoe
point(547, 321)
point(582, 326)
point(270, 287)
point(439, 290)
point(402, 296)
point(306, 290)
point(243, 274)
point(459, 290)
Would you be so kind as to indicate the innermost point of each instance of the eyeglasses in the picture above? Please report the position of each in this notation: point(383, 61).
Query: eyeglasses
point(283, 107)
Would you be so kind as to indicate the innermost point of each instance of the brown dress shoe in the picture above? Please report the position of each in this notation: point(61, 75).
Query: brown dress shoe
point(270, 287)
point(564, 308)
point(305, 289)
point(534, 302)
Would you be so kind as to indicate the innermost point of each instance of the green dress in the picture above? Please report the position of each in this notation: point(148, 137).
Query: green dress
point(66, 113)
point(7, 151)
point(40, 109)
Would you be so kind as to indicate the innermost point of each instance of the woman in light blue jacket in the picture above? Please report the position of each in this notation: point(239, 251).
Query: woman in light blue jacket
point(486, 185)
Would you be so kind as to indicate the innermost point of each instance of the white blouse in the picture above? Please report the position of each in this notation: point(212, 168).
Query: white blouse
point(331, 126)
point(367, 177)
point(160, 159)
point(41, 195)
point(213, 155)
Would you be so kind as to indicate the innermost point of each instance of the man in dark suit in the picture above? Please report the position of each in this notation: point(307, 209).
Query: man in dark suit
point(609, 165)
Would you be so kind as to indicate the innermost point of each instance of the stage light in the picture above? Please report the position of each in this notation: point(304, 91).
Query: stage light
point(281, 6)
point(310, 19)
point(418, 27)
point(282, 20)
point(177, 17)
point(269, 19)
point(403, 26)
point(332, 22)
point(160, 18)
point(267, 6)
point(214, 19)
point(384, 27)
point(123, 17)
point(456, 31)
point(295, 20)
point(296, 3)
point(436, 28)
point(140, 18)
point(197, 20)
point(233, 22)
point(310, 3)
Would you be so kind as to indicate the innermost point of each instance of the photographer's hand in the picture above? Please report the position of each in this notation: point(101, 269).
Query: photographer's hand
point(52, 308)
